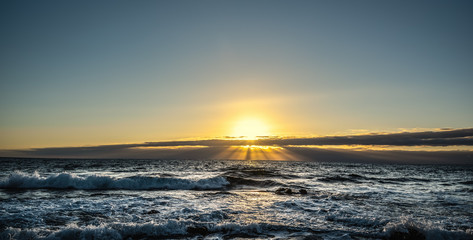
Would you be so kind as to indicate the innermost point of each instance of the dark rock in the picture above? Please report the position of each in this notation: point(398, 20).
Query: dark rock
point(303, 191)
point(198, 230)
point(154, 211)
point(281, 190)
point(288, 191)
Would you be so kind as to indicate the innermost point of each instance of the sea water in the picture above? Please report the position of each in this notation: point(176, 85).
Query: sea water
point(216, 199)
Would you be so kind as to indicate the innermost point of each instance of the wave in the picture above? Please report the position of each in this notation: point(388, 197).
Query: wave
point(357, 221)
point(409, 229)
point(252, 172)
point(171, 229)
point(339, 179)
point(467, 182)
point(257, 172)
point(189, 229)
point(20, 180)
point(355, 178)
point(403, 180)
point(235, 181)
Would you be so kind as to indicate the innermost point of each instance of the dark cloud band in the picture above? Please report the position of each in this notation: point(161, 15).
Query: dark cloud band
point(297, 146)
point(429, 138)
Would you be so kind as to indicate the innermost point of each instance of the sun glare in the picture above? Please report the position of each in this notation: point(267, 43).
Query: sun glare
point(250, 129)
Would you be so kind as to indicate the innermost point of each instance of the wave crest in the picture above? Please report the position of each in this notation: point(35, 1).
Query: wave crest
point(20, 180)
point(167, 230)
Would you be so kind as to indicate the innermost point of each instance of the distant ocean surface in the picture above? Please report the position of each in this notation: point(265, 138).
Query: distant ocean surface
point(213, 199)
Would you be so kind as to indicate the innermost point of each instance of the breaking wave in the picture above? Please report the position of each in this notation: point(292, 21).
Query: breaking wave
point(170, 229)
point(185, 229)
point(20, 180)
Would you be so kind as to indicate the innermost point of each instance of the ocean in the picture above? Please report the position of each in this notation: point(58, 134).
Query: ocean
point(229, 199)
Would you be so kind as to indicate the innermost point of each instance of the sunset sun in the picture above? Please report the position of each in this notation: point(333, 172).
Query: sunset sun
point(250, 128)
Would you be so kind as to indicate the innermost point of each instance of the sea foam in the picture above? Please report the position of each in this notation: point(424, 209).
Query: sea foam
point(20, 180)
point(170, 229)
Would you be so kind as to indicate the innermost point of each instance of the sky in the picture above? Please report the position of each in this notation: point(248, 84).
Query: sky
point(86, 73)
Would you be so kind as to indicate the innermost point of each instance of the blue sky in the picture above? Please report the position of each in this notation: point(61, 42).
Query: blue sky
point(99, 72)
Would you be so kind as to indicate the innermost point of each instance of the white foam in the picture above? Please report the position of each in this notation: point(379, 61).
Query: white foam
point(113, 231)
point(20, 180)
point(125, 231)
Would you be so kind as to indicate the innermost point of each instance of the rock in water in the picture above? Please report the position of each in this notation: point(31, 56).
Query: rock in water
point(153, 211)
point(281, 190)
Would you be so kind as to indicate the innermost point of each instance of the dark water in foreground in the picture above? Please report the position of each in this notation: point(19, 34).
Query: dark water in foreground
point(186, 199)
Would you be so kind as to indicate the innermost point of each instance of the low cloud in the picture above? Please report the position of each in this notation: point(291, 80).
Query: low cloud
point(429, 138)
point(294, 148)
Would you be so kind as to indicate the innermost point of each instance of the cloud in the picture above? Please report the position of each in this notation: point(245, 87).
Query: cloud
point(294, 148)
point(427, 138)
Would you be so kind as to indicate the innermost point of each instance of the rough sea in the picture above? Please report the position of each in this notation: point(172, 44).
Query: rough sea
point(216, 199)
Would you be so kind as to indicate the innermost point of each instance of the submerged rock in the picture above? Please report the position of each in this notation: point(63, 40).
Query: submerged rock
point(153, 211)
point(281, 190)
point(289, 191)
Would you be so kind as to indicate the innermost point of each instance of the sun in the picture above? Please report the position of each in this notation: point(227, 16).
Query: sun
point(250, 128)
